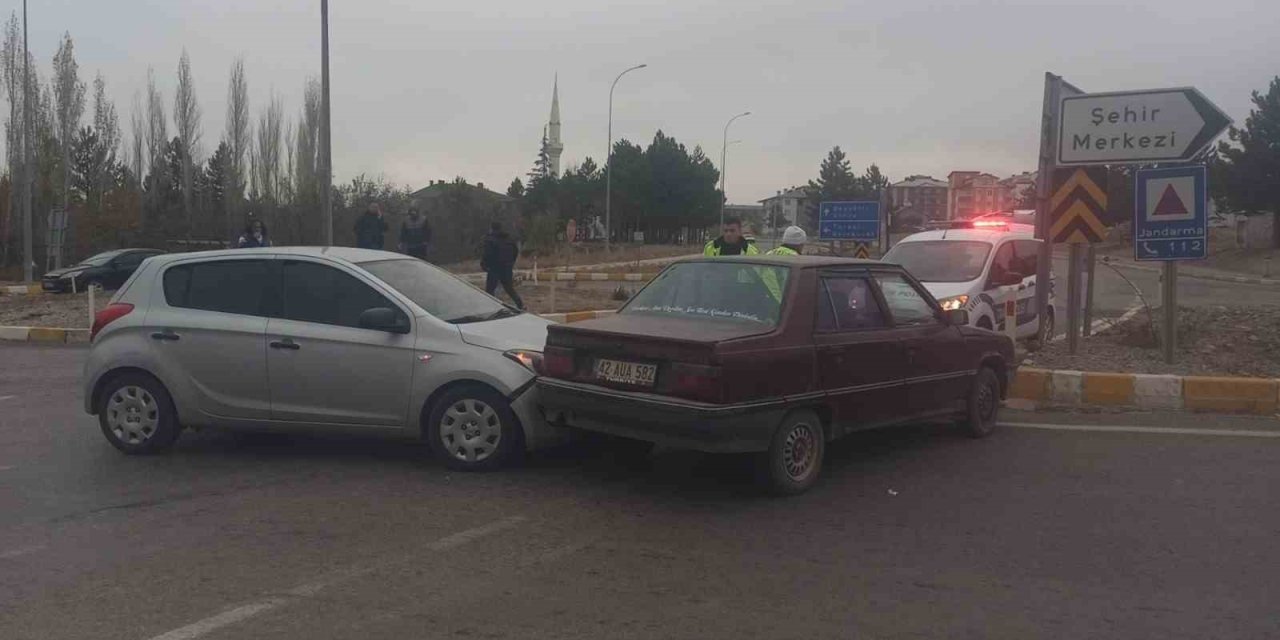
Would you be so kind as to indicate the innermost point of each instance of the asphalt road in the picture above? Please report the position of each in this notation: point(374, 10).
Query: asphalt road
point(913, 533)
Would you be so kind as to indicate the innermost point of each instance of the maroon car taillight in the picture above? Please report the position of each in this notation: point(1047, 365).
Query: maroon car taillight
point(109, 314)
point(557, 362)
point(697, 382)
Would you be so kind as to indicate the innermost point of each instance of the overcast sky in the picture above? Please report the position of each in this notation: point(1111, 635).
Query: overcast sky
point(433, 90)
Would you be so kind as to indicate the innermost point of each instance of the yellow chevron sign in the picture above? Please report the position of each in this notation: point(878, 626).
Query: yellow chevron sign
point(861, 251)
point(1077, 210)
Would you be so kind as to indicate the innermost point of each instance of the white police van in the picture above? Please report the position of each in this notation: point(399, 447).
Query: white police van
point(978, 267)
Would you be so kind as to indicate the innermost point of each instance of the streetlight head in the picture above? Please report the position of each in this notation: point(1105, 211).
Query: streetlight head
point(746, 113)
point(642, 66)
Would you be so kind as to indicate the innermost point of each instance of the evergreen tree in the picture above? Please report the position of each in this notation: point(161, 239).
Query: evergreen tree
point(1246, 172)
point(516, 190)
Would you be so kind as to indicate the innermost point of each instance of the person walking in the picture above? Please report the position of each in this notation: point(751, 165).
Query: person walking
point(498, 260)
point(255, 235)
point(415, 234)
point(371, 229)
point(793, 241)
point(731, 242)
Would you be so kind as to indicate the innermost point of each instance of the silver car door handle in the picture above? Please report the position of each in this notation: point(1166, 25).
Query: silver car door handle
point(167, 334)
point(286, 344)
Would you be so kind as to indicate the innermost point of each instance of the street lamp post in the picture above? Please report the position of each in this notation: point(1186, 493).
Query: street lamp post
point(724, 150)
point(28, 250)
point(608, 170)
point(326, 149)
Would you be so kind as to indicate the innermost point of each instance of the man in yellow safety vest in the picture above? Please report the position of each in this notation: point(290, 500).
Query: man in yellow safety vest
point(731, 242)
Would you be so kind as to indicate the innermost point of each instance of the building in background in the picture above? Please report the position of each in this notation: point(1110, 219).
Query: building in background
point(917, 201)
point(751, 215)
point(972, 193)
point(554, 147)
point(785, 208)
point(1020, 190)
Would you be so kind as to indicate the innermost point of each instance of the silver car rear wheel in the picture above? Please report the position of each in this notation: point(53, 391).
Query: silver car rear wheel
point(133, 414)
point(136, 414)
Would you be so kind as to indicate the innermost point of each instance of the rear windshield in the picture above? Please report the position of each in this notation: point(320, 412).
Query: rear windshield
point(716, 291)
point(941, 260)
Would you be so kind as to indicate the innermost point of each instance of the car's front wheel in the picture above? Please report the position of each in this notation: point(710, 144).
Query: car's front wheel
point(472, 428)
point(983, 404)
point(137, 415)
point(795, 456)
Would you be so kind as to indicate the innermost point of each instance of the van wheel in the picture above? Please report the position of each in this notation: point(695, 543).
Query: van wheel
point(983, 405)
point(795, 456)
point(472, 428)
point(985, 323)
point(137, 415)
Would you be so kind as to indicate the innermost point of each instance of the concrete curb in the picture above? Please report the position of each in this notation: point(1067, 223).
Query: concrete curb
point(45, 335)
point(21, 290)
point(1044, 387)
point(576, 316)
point(1185, 272)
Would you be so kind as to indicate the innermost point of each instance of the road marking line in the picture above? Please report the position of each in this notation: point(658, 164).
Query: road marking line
point(463, 537)
point(21, 551)
point(307, 590)
point(554, 554)
point(4, 468)
point(1103, 323)
point(2, 398)
point(1245, 433)
point(226, 618)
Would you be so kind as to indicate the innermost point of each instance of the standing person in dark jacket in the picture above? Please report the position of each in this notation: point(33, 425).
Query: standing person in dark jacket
point(371, 228)
point(499, 261)
point(255, 235)
point(415, 234)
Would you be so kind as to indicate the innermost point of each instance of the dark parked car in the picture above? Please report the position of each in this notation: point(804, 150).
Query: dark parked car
point(108, 269)
point(774, 355)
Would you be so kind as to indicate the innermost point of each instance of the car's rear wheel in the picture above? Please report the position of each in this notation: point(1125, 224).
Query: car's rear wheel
point(795, 456)
point(137, 415)
point(983, 405)
point(472, 428)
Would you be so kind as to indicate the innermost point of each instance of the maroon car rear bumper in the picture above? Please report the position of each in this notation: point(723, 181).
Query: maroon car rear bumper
point(735, 428)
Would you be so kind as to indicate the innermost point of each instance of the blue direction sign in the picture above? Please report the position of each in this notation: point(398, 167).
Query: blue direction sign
point(851, 220)
point(1171, 214)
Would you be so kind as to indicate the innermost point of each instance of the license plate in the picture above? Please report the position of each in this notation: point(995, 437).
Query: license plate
point(626, 372)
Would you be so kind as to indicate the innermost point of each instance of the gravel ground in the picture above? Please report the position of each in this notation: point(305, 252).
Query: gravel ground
point(1229, 341)
point(64, 310)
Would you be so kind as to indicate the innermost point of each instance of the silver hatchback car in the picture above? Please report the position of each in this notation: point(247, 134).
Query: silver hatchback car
point(333, 338)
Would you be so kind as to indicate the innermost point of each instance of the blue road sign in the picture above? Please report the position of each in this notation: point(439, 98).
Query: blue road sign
point(852, 220)
point(1170, 219)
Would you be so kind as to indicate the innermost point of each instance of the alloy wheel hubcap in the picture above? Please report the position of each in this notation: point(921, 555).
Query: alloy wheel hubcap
point(800, 452)
point(470, 430)
point(133, 414)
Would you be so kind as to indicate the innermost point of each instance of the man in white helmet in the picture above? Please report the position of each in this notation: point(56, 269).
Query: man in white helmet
point(793, 240)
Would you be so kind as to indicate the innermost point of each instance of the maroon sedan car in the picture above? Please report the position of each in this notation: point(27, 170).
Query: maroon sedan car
point(773, 355)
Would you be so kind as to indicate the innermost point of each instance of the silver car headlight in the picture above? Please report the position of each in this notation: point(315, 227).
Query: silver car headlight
point(527, 358)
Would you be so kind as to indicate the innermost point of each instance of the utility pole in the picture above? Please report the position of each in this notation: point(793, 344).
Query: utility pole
point(608, 166)
point(28, 251)
point(724, 151)
point(326, 150)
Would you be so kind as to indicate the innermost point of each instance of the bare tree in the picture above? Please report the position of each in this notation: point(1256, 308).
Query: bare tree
point(68, 96)
point(186, 117)
point(107, 125)
point(157, 126)
point(11, 61)
point(307, 145)
point(237, 139)
point(267, 153)
point(138, 144)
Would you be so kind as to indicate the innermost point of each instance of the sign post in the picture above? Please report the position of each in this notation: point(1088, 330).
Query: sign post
point(1054, 88)
point(1077, 212)
point(850, 220)
point(1171, 223)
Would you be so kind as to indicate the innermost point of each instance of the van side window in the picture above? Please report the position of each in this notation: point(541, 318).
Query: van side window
point(1028, 256)
point(226, 286)
point(1002, 264)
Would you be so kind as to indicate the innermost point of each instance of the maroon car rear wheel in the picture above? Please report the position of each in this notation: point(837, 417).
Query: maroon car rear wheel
point(794, 459)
